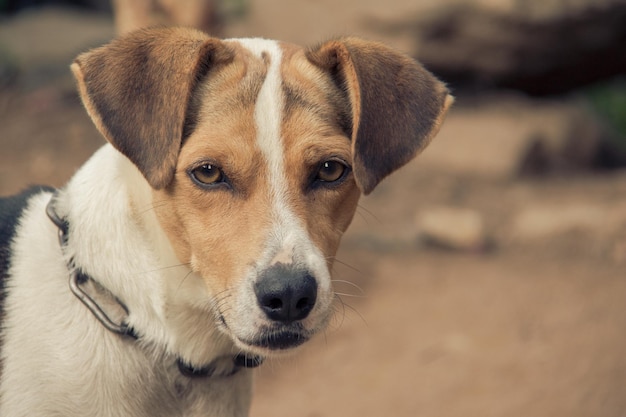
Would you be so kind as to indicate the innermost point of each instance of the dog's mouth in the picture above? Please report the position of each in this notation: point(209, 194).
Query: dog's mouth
point(273, 338)
point(280, 339)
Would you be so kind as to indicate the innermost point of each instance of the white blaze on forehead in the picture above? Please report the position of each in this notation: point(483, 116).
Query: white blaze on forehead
point(268, 110)
point(268, 115)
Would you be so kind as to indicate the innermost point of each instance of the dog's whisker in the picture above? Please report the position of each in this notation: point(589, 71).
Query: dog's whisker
point(187, 264)
point(350, 295)
point(152, 206)
point(336, 310)
point(182, 281)
point(353, 268)
point(357, 313)
point(361, 208)
point(352, 284)
point(343, 312)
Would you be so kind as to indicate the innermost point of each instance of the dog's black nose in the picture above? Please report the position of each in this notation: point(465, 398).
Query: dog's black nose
point(286, 293)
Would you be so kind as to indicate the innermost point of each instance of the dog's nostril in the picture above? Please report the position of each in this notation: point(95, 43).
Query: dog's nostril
point(302, 303)
point(275, 303)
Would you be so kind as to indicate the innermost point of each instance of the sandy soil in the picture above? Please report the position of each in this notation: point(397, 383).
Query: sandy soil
point(527, 328)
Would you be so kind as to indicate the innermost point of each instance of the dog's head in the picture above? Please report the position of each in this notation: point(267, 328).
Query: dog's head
point(257, 152)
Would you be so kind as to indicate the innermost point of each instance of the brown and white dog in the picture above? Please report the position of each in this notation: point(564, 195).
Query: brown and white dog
point(205, 230)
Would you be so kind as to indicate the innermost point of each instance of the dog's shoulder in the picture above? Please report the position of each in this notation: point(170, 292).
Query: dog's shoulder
point(11, 209)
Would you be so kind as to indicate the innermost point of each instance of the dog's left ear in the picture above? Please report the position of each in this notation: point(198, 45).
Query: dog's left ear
point(397, 106)
point(137, 90)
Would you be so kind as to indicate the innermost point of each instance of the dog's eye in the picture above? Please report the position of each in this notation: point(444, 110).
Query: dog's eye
point(331, 171)
point(208, 174)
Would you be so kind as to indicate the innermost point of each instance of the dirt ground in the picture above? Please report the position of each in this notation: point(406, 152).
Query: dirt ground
point(528, 327)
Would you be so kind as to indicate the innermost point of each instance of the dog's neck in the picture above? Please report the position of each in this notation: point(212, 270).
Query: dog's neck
point(117, 239)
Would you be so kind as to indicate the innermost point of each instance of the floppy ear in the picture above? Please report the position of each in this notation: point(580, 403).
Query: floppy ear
point(137, 90)
point(397, 106)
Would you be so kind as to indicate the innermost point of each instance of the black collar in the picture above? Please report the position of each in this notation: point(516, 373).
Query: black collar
point(78, 280)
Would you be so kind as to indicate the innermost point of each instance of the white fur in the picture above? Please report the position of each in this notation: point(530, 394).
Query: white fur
point(59, 361)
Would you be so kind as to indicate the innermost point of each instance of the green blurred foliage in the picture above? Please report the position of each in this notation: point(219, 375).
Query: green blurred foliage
point(232, 9)
point(609, 101)
point(9, 68)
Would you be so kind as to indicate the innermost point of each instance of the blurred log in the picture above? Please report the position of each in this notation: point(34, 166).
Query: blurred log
point(537, 46)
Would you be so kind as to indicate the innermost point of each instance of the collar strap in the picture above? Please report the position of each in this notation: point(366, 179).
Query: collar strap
point(240, 361)
point(78, 279)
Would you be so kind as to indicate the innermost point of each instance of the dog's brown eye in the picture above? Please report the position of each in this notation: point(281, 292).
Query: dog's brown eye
point(331, 171)
point(208, 174)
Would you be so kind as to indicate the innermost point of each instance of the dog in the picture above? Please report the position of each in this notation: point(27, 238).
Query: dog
point(198, 241)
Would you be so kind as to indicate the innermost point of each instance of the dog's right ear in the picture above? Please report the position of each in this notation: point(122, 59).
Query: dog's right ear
point(137, 90)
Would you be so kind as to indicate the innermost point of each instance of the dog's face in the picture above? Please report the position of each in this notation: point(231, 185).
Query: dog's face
point(257, 152)
point(262, 192)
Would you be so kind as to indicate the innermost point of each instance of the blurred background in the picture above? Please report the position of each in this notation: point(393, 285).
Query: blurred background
point(486, 278)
